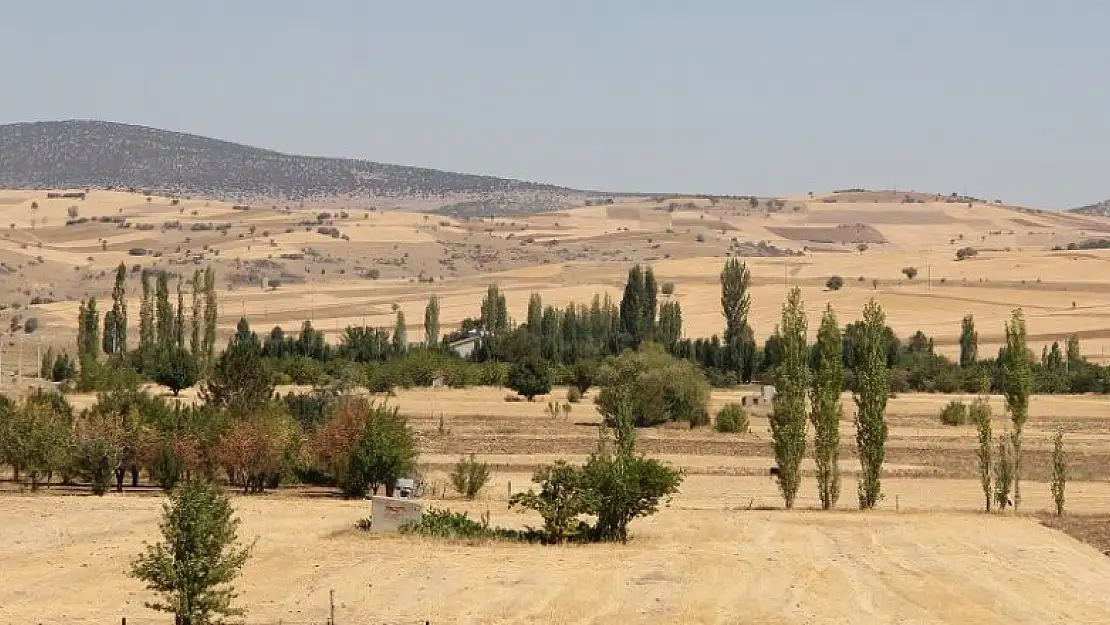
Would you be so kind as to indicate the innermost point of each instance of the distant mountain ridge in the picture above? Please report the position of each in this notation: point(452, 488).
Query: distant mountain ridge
point(1101, 209)
point(99, 154)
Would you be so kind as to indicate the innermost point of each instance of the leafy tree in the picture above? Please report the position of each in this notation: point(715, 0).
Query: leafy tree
point(211, 313)
point(1004, 473)
point(955, 413)
point(495, 312)
point(535, 314)
point(965, 253)
point(192, 569)
point(257, 447)
point(164, 317)
point(835, 283)
point(1074, 356)
point(88, 331)
point(559, 502)
point(980, 413)
point(670, 325)
point(115, 322)
point(638, 306)
point(179, 318)
point(1059, 472)
point(969, 342)
point(910, 272)
point(197, 314)
point(871, 398)
point(146, 315)
point(177, 369)
point(828, 381)
point(470, 476)
point(400, 334)
point(37, 436)
point(735, 299)
point(788, 417)
point(431, 322)
point(1017, 386)
point(656, 387)
point(530, 377)
point(384, 451)
point(239, 380)
point(732, 418)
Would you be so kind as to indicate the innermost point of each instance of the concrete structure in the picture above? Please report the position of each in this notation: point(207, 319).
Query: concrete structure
point(388, 514)
point(465, 346)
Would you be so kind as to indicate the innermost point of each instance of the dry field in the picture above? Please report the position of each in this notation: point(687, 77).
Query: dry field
point(721, 552)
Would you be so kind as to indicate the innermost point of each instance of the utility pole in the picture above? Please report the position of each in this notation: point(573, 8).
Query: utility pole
point(331, 611)
point(929, 270)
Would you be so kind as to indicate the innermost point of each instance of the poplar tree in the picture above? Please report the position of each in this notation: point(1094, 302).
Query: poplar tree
point(969, 342)
point(981, 416)
point(670, 324)
point(788, 417)
point(431, 322)
point(828, 381)
point(118, 314)
point(400, 334)
point(1017, 382)
point(871, 398)
point(495, 315)
point(211, 313)
point(535, 314)
point(179, 319)
point(163, 311)
point(735, 300)
point(194, 337)
point(650, 304)
point(146, 315)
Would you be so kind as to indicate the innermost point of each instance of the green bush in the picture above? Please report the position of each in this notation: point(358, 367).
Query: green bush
point(655, 386)
point(834, 283)
point(530, 377)
point(955, 413)
point(470, 476)
point(574, 395)
point(732, 418)
point(441, 523)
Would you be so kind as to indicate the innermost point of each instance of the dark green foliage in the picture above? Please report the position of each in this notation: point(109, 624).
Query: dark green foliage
point(192, 569)
point(670, 325)
point(871, 399)
point(530, 377)
point(1017, 386)
point(177, 369)
point(559, 502)
point(94, 461)
point(88, 331)
point(165, 335)
point(826, 409)
point(63, 368)
point(431, 322)
point(910, 272)
point(969, 342)
point(239, 380)
point(400, 334)
point(495, 312)
point(384, 451)
point(441, 523)
point(638, 306)
point(656, 387)
point(470, 476)
point(788, 417)
point(965, 253)
point(732, 419)
point(955, 413)
point(835, 283)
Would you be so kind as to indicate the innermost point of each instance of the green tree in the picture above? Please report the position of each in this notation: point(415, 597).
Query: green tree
point(1017, 378)
point(1059, 472)
point(192, 569)
point(384, 451)
point(197, 314)
point(431, 322)
point(735, 300)
point(657, 387)
point(560, 501)
point(669, 331)
point(535, 314)
point(495, 314)
point(469, 476)
point(980, 414)
point(1074, 356)
point(969, 342)
point(116, 319)
point(211, 314)
point(650, 304)
point(88, 331)
point(164, 326)
point(828, 381)
point(530, 377)
point(873, 390)
point(177, 369)
point(179, 318)
point(400, 334)
point(788, 417)
point(239, 380)
point(637, 320)
point(146, 315)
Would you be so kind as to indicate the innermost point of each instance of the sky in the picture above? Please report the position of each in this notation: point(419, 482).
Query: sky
point(1001, 99)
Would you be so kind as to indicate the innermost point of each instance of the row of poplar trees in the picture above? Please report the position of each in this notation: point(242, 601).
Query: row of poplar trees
point(162, 325)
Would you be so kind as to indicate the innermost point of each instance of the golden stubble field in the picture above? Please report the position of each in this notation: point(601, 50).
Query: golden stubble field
point(721, 552)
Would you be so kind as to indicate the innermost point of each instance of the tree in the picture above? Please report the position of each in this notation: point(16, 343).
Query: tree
point(431, 322)
point(199, 556)
point(37, 436)
point(969, 342)
point(384, 451)
point(1059, 472)
point(164, 323)
point(211, 314)
point(257, 447)
point(828, 381)
point(239, 380)
point(1004, 473)
point(788, 416)
point(835, 283)
point(910, 272)
point(469, 477)
point(560, 501)
point(655, 386)
point(980, 414)
point(1074, 355)
point(400, 334)
point(530, 377)
point(1017, 378)
point(535, 314)
point(871, 397)
point(88, 331)
point(179, 318)
point(495, 314)
point(735, 300)
point(670, 324)
point(965, 253)
point(177, 369)
point(146, 315)
point(118, 315)
point(197, 314)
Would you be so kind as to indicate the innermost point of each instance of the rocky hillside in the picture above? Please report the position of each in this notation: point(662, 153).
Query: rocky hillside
point(1102, 209)
point(81, 154)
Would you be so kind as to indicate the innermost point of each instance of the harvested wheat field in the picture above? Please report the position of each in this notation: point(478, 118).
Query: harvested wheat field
point(722, 551)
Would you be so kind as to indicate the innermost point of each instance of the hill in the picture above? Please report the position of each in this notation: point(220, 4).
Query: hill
point(106, 155)
point(1101, 209)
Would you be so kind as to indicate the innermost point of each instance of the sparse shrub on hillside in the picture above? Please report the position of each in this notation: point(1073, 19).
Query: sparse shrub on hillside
point(470, 476)
point(574, 395)
point(966, 252)
point(72, 211)
point(955, 413)
point(700, 238)
point(835, 283)
point(910, 272)
point(667, 288)
point(732, 419)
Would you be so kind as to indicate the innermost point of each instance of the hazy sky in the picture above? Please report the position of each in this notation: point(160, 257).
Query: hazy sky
point(1005, 99)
